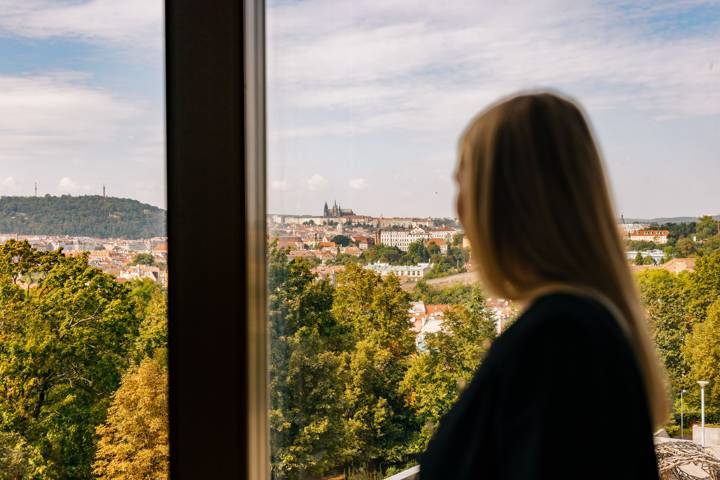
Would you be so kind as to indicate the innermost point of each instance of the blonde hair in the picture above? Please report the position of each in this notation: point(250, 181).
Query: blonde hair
point(535, 206)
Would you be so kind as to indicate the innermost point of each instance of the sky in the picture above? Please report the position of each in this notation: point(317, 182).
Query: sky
point(367, 98)
point(82, 98)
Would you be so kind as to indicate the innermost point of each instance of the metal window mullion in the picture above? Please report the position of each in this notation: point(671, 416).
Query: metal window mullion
point(255, 158)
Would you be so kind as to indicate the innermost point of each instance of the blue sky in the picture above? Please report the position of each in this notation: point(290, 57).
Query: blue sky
point(367, 97)
point(82, 98)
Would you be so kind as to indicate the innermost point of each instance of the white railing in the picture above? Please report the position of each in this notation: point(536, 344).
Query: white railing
point(411, 473)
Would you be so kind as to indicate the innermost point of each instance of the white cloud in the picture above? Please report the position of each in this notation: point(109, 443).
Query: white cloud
point(280, 185)
point(135, 23)
point(358, 183)
point(8, 182)
point(317, 182)
point(343, 68)
point(67, 183)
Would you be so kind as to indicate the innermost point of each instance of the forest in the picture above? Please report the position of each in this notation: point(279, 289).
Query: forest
point(81, 216)
point(83, 383)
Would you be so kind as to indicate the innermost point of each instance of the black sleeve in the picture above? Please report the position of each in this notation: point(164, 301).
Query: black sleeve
point(564, 407)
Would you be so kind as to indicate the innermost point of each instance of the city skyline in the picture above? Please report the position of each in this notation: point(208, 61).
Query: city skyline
point(366, 99)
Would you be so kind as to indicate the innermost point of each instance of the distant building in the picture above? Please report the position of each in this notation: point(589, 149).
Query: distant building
point(404, 222)
point(402, 238)
point(411, 272)
point(337, 211)
point(655, 236)
point(441, 244)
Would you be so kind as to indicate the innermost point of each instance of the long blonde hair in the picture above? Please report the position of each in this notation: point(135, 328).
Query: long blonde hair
point(535, 206)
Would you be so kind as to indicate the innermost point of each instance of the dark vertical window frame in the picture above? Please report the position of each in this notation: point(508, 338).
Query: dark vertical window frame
point(258, 437)
point(216, 205)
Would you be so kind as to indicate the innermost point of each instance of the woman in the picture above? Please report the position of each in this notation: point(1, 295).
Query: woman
point(573, 388)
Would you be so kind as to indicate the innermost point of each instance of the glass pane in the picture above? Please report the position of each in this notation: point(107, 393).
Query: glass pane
point(83, 246)
point(370, 297)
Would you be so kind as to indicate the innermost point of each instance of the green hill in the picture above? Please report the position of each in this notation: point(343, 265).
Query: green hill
point(85, 216)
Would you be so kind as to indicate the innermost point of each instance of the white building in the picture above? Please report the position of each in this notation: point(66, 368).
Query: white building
point(655, 236)
point(403, 238)
point(415, 272)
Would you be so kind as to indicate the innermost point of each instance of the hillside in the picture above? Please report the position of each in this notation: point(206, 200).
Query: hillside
point(85, 216)
point(662, 220)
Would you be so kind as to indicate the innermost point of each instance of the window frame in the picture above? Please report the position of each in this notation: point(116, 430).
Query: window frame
point(215, 121)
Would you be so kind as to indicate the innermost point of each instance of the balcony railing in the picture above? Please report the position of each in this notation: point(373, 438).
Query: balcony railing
point(412, 473)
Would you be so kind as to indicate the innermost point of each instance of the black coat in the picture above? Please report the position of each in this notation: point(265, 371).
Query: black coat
point(559, 395)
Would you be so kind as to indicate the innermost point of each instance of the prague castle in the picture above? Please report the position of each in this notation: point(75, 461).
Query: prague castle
point(336, 211)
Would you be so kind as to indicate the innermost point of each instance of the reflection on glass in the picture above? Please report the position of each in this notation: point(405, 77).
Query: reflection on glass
point(376, 321)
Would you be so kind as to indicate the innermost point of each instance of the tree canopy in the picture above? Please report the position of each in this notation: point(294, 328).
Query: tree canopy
point(84, 216)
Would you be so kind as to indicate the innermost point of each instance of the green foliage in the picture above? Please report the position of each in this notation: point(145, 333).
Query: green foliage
point(143, 259)
point(382, 253)
point(702, 351)
point(640, 245)
point(684, 314)
point(663, 295)
point(710, 245)
point(436, 376)
point(638, 259)
point(344, 259)
point(417, 253)
point(453, 295)
point(91, 216)
point(375, 311)
point(685, 247)
point(19, 460)
point(342, 240)
point(307, 368)
point(66, 334)
point(707, 227)
point(704, 287)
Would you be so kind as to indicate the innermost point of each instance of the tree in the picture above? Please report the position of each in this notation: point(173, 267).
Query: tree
point(143, 259)
point(648, 260)
point(710, 245)
point(67, 330)
point(306, 375)
point(82, 216)
point(685, 247)
point(341, 240)
point(417, 253)
point(382, 253)
point(153, 331)
point(638, 259)
point(663, 295)
point(704, 287)
point(436, 376)
point(375, 310)
point(133, 442)
point(702, 350)
point(19, 460)
point(707, 226)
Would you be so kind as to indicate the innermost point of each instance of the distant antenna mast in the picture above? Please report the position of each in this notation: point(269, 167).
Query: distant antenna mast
point(103, 191)
point(36, 189)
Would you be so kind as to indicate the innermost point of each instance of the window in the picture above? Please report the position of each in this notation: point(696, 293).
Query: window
point(83, 242)
point(365, 102)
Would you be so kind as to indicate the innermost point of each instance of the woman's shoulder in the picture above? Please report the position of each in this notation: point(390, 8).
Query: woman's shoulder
point(564, 319)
